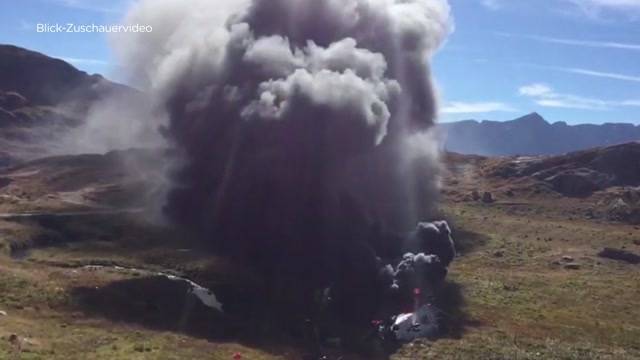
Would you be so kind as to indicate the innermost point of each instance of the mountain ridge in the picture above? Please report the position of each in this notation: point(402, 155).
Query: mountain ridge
point(532, 135)
point(49, 81)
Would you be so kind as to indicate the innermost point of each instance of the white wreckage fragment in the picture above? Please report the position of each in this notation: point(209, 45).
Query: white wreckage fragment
point(423, 323)
point(206, 296)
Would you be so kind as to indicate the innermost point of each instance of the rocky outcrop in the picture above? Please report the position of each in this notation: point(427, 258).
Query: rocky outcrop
point(623, 211)
point(578, 182)
point(579, 173)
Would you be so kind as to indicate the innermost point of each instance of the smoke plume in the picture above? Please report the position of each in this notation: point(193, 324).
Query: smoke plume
point(118, 121)
point(302, 127)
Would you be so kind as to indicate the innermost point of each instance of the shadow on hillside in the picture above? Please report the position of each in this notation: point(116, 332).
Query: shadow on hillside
point(467, 241)
point(452, 303)
point(156, 302)
point(162, 304)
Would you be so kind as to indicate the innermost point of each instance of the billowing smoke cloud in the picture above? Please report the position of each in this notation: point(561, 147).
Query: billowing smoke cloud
point(428, 251)
point(302, 126)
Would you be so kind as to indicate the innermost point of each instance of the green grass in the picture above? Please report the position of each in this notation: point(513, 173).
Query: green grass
point(50, 325)
point(520, 302)
point(523, 304)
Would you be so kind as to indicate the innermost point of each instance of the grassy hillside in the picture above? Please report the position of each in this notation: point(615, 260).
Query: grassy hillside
point(528, 283)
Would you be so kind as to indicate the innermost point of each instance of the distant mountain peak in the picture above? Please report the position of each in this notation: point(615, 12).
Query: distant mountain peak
point(534, 117)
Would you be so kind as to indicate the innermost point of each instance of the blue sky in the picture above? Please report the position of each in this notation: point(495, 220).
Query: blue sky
point(570, 60)
point(87, 51)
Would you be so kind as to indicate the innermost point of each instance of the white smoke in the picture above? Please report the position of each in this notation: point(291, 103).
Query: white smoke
point(115, 122)
point(202, 43)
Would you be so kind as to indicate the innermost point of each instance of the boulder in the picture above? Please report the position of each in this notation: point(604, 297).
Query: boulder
point(487, 198)
point(572, 266)
point(620, 210)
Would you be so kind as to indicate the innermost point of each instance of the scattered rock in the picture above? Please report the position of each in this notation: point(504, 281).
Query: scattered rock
point(636, 242)
point(623, 211)
point(567, 258)
point(487, 198)
point(618, 205)
point(510, 193)
point(16, 343)
point(572, 266)
point(475, 195)
point(3, 313)
point(622, 255)
point(498, 253)
point(589, 214)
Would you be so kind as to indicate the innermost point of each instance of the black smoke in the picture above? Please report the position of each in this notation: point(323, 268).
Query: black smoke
point(301, 133)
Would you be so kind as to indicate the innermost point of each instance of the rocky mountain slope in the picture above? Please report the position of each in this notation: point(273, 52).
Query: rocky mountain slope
point(41, 98)
point(45, 81)
point(599, 183)
point(532, 135)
